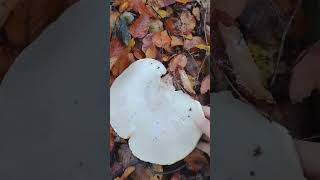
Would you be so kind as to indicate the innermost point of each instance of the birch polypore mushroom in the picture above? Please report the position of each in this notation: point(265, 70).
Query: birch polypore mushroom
point(159, 121)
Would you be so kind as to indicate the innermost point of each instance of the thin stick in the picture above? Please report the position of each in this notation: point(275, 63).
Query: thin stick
point(283, 39)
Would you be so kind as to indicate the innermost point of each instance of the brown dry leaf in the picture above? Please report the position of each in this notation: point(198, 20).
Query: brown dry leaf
point(126, 173)
point(246, 71)
point(196, 160)
point(305, 77)
point(188, 22)
point(183, 1)
point(138, 53)
point(231, 7)
point(173, 25)
point(195, 41)
point(162, 40)
point(179, 61)
point(157, 4)
point(113, 18)
point(196, 13)
point(151, 52)
point(140, 7)
point(145, 173)
point(117, 51)
point(187, 84)
point(147, 42)
point(139, 28)
point(205, 85)
point(176, 41)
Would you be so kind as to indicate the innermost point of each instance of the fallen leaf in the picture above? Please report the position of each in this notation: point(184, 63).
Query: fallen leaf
point(122, 31)
point(196, 13)
point(131, 44)
point(179, 61)
point(196, 160)
point(147, 42)
point(117, 51)
point(157, 4)
point(143, 172)
point(140, 7)
point(113, 18)
point(128, 17)
point(138, 53)
point(162, 40)
point(205, 85)
point(203, 46)
point(173, 25)
point(246, 71)
point(187, 84)
point(194, 42)
point(125, 156)
point(151, 52)
point(139, 28)
point(188, 22)
point(176, 41)
point(126, 173)
point(305, 76)
point(178, 176)
point(156, 26)
point(183, 1)
point(162, 13)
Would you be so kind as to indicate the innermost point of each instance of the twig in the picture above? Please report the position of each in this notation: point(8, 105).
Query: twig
point(283, 39)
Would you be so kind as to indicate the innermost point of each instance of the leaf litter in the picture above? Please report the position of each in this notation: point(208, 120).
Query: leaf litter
point(175, 33)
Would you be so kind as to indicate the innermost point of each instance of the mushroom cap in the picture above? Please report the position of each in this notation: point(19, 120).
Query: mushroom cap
point(159, 121)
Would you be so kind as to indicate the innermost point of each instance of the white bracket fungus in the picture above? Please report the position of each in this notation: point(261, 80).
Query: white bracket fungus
point(159, 121)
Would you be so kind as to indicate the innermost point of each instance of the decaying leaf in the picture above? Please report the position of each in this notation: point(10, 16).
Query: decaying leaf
point(176, 41)
point(156, 26)
point(305, 77)
point(162, 40)
point(196, 160)
point(117, 50)
point(248, 74)
point(126, 173)
point(194, 42)
point(139, 28)
point(205, 85)
point(143, 172)
point(187, 84)
point(179, 61)
point(183, 1)
point(188, 22)
point(173, 25)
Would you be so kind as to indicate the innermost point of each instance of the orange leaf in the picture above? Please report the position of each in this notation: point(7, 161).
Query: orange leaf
point(151, 52)
point(188, 22)
point(183, 1)
point(140, 7)
point(162, 40)
point(138, 53)
point(196, 160)
point(178, 61)
point(173, 25)
point(176, 41)
point(205, 85)
point(117, 49)
point(139, 28)
point(189, 44)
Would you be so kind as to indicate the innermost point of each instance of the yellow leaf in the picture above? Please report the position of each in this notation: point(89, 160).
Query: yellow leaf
point(203, 46)
point(162, 13)
point(131, 43)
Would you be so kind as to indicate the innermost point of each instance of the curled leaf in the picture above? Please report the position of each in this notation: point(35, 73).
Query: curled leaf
point(187, 84)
